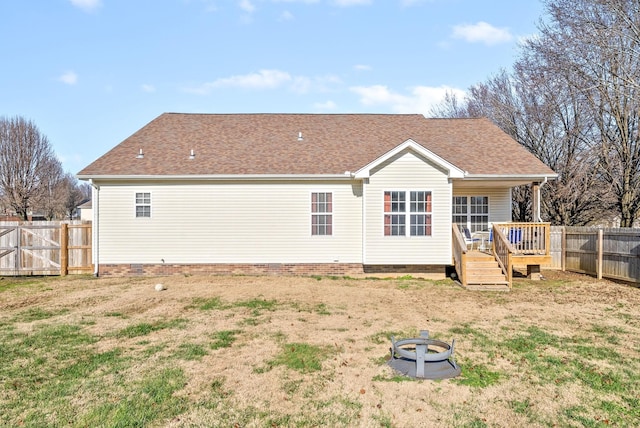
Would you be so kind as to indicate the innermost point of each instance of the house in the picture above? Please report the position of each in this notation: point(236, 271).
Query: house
point(84, 211)
point(336, 194)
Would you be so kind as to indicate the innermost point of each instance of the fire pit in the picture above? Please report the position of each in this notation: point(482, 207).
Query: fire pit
point(423, 358)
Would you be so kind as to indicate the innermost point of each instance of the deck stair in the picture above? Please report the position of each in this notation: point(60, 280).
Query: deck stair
point(484, 273)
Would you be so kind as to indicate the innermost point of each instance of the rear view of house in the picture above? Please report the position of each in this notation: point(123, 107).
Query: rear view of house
point(300, 193)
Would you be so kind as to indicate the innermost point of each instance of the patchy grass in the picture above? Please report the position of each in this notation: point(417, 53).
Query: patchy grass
point(224, 338)
point(145, 328)
point(302, 357)
point(150, 399)
point(313, 352)
point(477, 375)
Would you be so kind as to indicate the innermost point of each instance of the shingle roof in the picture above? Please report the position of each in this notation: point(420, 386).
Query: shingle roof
point(248, 144)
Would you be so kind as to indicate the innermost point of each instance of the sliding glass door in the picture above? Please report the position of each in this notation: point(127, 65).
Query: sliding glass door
point(471, 212)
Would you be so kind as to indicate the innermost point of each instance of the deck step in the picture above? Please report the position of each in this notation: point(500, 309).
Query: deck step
point(484, 273)
point(484, 266)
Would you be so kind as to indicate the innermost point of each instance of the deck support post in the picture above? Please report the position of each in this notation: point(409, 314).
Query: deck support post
point(533, 272)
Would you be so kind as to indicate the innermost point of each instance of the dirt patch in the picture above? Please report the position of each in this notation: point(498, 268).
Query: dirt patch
point(352, 318)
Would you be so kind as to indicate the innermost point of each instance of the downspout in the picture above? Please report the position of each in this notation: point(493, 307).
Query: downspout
point(363, 220)
point(95, 226)
point(539, 219)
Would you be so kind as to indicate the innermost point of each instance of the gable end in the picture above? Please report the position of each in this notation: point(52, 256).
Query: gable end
point(452, 170)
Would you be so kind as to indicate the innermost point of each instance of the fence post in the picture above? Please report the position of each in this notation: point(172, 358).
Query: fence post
point(563, 249)
point(64, 249)
point(600, 256)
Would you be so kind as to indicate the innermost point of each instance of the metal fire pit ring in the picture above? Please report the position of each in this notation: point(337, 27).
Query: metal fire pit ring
point(411, 354)
point(424, 358)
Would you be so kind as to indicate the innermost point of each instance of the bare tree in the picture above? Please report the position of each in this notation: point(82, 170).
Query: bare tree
point(545, 117)
point(451, 107)
point(73, 194)
point(593, 47)
point(50, 200)
point(26, 164)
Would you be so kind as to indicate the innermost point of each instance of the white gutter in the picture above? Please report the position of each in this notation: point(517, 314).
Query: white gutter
point(519, 177)
point(94, 228)
point(306, 177)
point(542, 183)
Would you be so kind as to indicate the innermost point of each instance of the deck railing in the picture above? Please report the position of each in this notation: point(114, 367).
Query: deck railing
point(503, 252)
point(527, 239)
point(510, 243)
point(459, 254)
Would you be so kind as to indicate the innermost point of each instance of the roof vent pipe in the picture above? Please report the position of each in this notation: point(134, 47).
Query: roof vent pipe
point(140, 155)
point(192, 154)
point(300, 136)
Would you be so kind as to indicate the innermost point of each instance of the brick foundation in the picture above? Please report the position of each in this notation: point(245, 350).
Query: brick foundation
point(301, 269)
point(292, 269)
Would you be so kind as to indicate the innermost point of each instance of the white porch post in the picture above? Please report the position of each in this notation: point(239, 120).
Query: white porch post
point(535, 190)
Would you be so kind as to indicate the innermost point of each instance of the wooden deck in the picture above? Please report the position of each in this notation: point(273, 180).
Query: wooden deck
point(507, 244)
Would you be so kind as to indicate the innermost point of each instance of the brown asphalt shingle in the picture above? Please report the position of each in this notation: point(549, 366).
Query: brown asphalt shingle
point(332, 144)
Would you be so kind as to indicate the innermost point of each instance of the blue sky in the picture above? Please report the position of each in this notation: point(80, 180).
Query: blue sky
point(89, 73)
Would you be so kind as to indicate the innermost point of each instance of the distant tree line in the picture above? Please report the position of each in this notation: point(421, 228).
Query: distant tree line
point(573, 100)
point(31, 177)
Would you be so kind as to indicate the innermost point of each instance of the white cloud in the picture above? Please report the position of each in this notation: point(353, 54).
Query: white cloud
point(304, 84)
point(421, 99)
point(148, 88)
point(69, 78)
point(325, 106)
point(286, 16)
point(264, 79)
point(87, 5)
point(362, 67)
point(482, 32)
point(247, 6)
point(347, 3)
point(268, 79)
point(296, 1)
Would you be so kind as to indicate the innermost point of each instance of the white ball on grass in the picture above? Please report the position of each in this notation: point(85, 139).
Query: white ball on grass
point(160, 287)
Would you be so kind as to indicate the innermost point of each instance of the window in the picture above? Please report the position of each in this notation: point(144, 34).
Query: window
point(471, 212)
point(143, 204)
point(321, 214)
point(417, 217)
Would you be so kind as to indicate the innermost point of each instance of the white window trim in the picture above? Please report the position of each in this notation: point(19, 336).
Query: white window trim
point(407, 213)
point(136, 204)
point(311, 214)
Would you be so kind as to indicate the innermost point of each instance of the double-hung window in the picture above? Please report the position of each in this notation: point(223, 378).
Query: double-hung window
point(321, 213)
point(143, 204)
point(407, 213)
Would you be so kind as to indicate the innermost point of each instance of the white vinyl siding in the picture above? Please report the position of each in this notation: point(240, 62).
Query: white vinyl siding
point(229, 222)
point(409, 172)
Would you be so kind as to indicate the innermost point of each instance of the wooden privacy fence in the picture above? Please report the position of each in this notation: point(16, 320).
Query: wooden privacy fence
point(45, 248)
point(603, 252)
